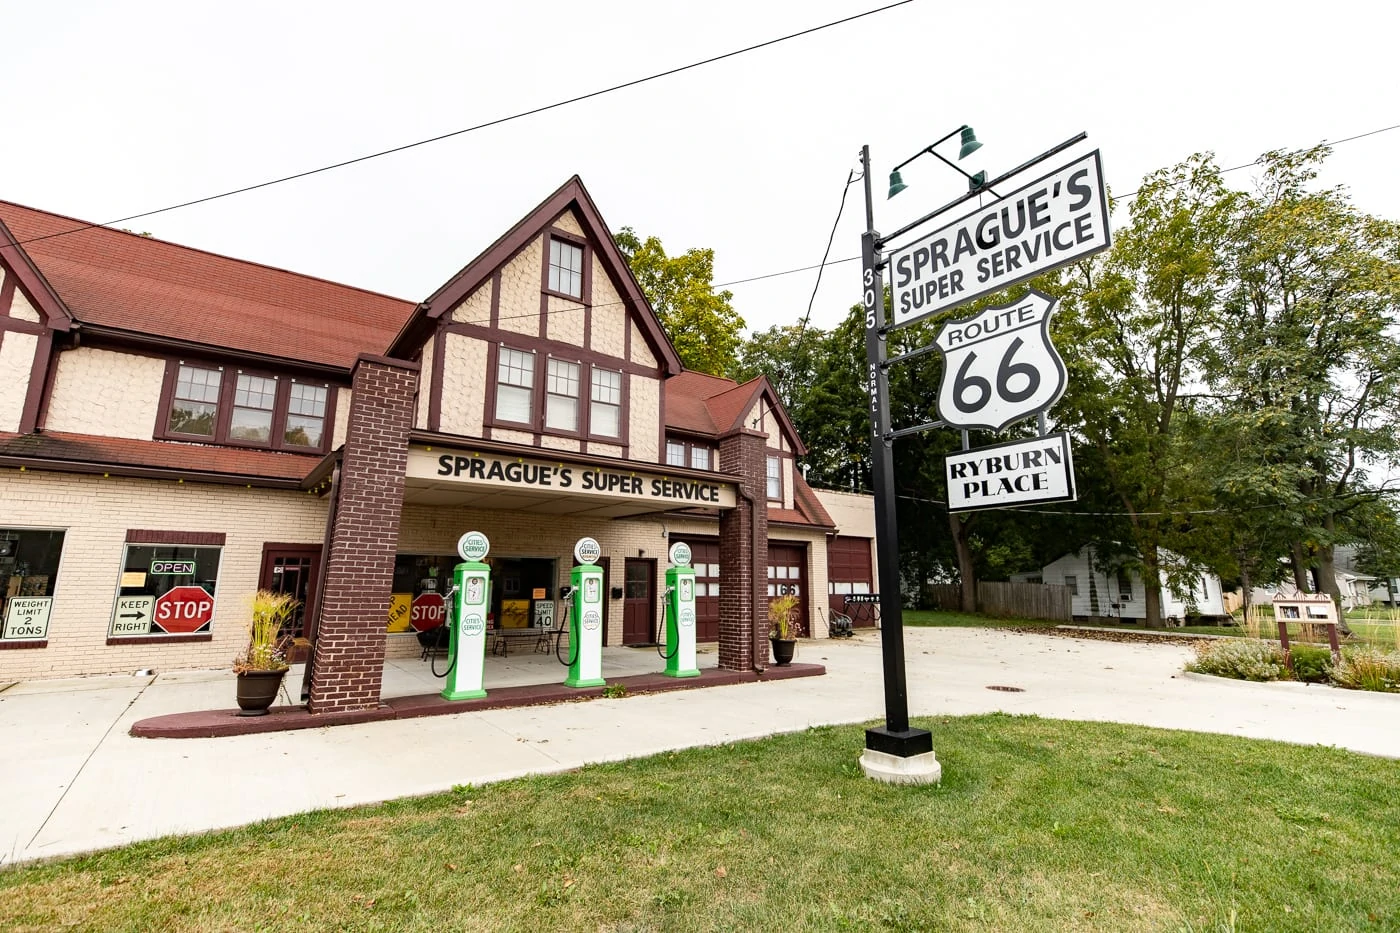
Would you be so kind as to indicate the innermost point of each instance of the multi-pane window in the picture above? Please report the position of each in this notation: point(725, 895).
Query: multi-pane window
point(700, 457)
point(688, 453)
point(675, 453)
point(306, 415)
point(195, 406)
point(775, 478)
point(605, 414)
point(28, 574)
point(1072, 582)
point(565, 268)
point(561, 398)
point(254, 399)
point(515, 385)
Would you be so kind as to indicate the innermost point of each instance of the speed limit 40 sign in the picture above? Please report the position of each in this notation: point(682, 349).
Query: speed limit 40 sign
point(999, 365)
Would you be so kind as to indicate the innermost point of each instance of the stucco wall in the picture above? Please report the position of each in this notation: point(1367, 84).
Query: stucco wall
point(520, 291)
point(643, 418)
point(21, 308)
point(95, 514)
point(641, 350)
point(610, 319)
point(476, 307)
point(342, 417)
point(425, 386)
point(106, 392)
point(568, 223)
point(16, 360)
point(463, 386)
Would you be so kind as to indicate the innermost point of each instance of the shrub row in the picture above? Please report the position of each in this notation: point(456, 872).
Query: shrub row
point(1361, 667)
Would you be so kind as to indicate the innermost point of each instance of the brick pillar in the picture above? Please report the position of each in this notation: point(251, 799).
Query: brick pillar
point(347, 665)
point(743, 555)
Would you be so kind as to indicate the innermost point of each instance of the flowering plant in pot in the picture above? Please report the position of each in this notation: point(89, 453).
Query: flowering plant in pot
point(263, 662)
point(783, 628)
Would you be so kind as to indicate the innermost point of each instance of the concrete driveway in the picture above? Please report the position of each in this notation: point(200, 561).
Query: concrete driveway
point(77, 781)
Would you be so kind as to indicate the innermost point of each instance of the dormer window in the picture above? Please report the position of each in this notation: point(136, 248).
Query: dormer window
point(565, 268)
point(222, 405)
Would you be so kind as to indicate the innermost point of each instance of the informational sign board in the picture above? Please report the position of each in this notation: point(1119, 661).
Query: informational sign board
point(1024, 472)
point(182, 568)
point(544, 614)
point(999, 365)
point(1054, 220)
point(184, 609)
point(131, 615)
point(27, 618)
point(400, 610)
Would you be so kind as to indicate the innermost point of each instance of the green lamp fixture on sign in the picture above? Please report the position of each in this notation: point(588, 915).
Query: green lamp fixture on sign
point(969, 146)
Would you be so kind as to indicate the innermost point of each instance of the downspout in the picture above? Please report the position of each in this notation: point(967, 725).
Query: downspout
point(314, 623)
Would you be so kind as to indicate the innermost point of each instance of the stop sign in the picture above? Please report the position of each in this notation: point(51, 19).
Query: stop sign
point(429, 611)
point(184, 609)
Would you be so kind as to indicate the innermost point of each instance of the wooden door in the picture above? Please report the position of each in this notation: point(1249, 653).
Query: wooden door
point(705, 559)
point(849, 573)
point(294, 569)
point(639, 601)
point(787, 575)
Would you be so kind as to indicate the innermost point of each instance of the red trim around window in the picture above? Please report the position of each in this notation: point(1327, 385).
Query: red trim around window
point(228, 386)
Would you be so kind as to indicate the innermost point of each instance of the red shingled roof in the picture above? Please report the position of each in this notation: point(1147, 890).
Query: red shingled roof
point(237, 464)
point(135, 283)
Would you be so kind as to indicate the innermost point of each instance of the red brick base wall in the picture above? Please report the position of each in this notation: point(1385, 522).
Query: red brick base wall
point(743, 556)
point(347, 665)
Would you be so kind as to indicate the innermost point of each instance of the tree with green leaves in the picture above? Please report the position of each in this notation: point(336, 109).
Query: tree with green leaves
point(701, 322)
point(1142, 326)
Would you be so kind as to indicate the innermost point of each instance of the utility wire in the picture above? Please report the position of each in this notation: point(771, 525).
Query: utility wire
point(480, 126)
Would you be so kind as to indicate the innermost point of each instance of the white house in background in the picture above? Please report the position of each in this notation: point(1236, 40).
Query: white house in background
point(1357, 589)
point(1120, 594)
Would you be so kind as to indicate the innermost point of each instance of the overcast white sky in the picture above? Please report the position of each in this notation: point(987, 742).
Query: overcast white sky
point(117, 108)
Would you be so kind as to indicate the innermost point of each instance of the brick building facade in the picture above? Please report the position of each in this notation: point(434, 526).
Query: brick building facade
point(173, 419)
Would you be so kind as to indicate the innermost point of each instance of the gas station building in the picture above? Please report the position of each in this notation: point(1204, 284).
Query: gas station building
point(179, 429)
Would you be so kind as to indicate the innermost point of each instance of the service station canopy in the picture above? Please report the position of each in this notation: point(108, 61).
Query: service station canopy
point(555, 486)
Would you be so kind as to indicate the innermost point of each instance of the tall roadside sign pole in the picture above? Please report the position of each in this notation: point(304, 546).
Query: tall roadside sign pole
point(894, 753)
point(999, 367)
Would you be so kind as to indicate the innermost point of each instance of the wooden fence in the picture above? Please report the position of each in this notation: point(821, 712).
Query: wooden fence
point(1008, 600)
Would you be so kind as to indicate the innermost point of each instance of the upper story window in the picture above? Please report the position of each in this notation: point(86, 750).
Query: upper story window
point(565, 268)
point(194, 409)
point(775, 478)
point(1072, 582)
point(515, 386)
point(689, 454)
point(215, 403)
point(605, 414)
point(561, 397)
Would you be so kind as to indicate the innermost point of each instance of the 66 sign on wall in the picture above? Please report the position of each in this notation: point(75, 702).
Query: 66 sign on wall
point(999, 365)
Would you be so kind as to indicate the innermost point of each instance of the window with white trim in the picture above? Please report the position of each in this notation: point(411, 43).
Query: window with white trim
point(565, 268)
point(605, 413)
point(697, 456)
point(561, 396)
point(515, 386)
point(306, 415)
point(254, 399)
point(775, 478)
point(1073, 583)
point(675, 453)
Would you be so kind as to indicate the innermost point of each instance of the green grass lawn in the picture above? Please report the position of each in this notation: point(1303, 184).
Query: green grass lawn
point(1039, 825)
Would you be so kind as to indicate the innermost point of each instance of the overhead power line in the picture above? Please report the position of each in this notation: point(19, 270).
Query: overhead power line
point(480, 126)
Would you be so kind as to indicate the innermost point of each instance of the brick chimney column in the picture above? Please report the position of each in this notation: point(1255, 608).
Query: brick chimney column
point(347, 664)
point(743, 555)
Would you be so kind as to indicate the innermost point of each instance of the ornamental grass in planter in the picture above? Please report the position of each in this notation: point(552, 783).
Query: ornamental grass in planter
point(783, 628)
point(263, 662)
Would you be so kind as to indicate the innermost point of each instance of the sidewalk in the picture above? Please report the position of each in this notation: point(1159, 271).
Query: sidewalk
point(79, 782)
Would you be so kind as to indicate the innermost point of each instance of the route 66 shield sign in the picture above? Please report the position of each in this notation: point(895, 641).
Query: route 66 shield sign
point(999, 365)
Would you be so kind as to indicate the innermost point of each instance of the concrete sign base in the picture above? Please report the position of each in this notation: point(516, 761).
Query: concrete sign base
point(892, 769)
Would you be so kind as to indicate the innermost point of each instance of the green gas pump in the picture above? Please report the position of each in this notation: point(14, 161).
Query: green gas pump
point(466, 619)
point(680, 614)
point(586, 621)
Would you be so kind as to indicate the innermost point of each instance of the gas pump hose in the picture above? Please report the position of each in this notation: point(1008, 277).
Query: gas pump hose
point(573, 642)
point(674, 648)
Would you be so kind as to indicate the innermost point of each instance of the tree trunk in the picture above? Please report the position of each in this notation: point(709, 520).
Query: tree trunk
point(1245, 602)
point(1300, 567)
point(967, 577)
point(1152, 588)
point(1327, 582)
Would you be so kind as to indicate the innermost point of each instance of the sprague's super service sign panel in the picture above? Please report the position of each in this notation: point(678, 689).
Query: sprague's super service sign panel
point(1053, 220)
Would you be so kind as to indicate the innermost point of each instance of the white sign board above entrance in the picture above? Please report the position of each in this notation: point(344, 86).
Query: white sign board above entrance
point(1016, 473)
point(999, 365)
point(1053, 220)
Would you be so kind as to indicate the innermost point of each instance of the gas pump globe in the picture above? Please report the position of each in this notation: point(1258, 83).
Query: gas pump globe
point(586, 621)
point(466, 619)
point(680, 614)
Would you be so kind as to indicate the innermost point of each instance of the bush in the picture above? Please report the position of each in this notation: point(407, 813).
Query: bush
point(1365, 668)
point(1240, 658)
point(1312, 664)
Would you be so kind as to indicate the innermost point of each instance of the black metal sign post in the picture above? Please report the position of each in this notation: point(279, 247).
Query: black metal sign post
point(894, 753)
point(1058, 218)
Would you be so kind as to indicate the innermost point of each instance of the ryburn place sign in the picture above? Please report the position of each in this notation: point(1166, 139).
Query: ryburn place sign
point(999, 365)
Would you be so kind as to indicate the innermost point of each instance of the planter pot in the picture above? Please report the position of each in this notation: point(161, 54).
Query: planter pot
point(782, 650)
point(257, 690)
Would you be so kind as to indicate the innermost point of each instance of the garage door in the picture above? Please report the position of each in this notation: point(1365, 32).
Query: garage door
point(705, 560)
point(848, 573)
point(787, 574)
